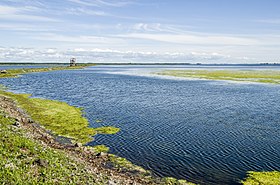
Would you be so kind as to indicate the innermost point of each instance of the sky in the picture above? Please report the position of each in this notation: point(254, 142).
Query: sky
point(188, 31)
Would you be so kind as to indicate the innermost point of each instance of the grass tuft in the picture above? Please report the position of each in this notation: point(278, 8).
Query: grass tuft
point(264, 76)
point(107, 130)
point(100, 148)
point(265, 178)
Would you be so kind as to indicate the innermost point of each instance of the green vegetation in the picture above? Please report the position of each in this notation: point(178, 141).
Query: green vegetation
point(59, 117)
point(15, 72)
point(264, 76)
point(262, 178)
point(120, 162)
point(107, 130)
point(173, 181)
point(24, 161)
point(100, 148)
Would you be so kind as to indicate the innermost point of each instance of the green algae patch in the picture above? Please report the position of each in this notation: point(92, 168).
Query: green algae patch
point(122, 163)
point(260, 76)
point(100, 148)
point(265, 178)
point(107, 130)
point(173, 181)
point(59, 117)
point(25, 161)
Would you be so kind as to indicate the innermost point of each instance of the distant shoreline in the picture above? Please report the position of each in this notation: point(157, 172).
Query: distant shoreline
point(191, 64)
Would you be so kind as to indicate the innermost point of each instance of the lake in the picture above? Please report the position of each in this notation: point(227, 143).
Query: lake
point(208, 132)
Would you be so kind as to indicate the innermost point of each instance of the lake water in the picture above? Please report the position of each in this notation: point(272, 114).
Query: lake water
point(208, 132)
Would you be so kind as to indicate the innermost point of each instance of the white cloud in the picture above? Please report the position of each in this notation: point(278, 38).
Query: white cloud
point(78, 39)
point(105, 55)
point(194, 39)
point(23, 27)
point(100, 3)
point(82, 11)
point(22, 14)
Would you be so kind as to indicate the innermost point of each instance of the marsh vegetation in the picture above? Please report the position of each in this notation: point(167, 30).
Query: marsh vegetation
point(261, 76)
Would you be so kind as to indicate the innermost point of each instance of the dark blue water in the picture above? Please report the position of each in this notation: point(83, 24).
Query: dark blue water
point(208, 132)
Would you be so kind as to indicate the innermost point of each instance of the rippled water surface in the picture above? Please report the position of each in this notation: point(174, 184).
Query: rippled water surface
point(209, 132)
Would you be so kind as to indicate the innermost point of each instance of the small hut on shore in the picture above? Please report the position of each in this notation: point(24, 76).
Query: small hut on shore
point(72, 62)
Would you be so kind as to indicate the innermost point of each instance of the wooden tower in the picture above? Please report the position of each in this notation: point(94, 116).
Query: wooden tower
point(72, 62)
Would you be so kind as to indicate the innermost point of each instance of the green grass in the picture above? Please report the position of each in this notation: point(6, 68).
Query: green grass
point(18, 156)
point(16, 72)
point(262, 178)
point(173, 181)
point(120, 162)
point(107, 130)
point(264, 76)
point(100, 148)
point(59, 117)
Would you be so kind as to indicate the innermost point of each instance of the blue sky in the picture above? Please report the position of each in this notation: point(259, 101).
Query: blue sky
point(205, 31)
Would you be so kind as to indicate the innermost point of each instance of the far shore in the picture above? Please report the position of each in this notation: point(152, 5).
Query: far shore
point(141, 63)
point(257, 76)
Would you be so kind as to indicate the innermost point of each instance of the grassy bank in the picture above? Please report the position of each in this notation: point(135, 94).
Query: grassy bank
point(15, 72)
point(265, 178)
point(59, 117)
point(264, 76)
point(24, 161)
point(28, 156)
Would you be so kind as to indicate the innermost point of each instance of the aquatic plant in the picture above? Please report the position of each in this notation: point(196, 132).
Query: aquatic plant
point(100, 148)
point(107, 130)
point(267, 178)
point(260, 76)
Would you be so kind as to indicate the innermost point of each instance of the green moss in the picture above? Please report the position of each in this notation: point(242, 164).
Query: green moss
point(262, 178)
point(173, 181)
point(121, 163)
point(265, 76)
point(107, 130)
point(19, 157)
point(100, 148)
point(59, 117)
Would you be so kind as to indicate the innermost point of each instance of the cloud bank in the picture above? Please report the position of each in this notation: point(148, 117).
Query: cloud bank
point(106, 56)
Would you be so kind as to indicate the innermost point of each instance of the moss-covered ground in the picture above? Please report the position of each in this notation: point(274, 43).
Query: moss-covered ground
point(59, 117)
point(262, 178)
point(24, 161)
point(260, 76)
